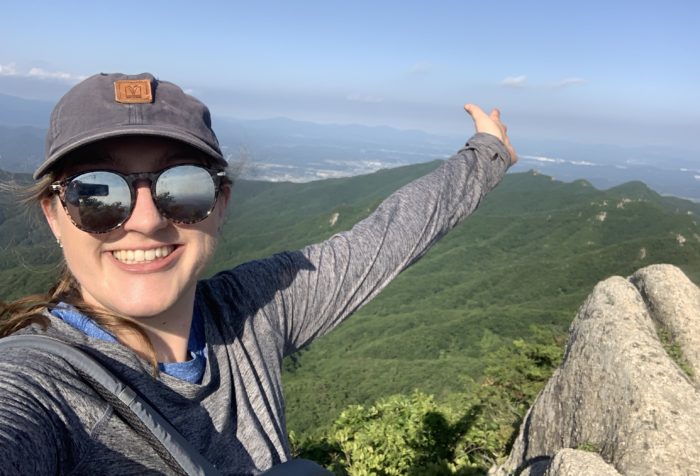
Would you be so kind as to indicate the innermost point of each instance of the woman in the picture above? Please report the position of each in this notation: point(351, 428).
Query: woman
point(134, 189)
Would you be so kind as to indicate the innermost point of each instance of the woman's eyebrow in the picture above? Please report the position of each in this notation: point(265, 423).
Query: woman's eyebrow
point(169, 156)
point(98, 151)
point(107, 159)
point(102, 159)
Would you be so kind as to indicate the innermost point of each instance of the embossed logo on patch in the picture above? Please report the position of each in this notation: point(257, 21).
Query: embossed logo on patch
point(133, 91)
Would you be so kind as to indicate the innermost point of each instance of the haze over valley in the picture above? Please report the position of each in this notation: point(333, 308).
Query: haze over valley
point(281, 149)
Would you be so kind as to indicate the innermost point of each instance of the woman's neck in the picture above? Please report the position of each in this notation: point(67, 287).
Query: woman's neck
point(169, 332)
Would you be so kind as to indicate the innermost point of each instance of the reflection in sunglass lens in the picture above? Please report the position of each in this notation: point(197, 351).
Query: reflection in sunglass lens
point(185, 193)
point(98, 201)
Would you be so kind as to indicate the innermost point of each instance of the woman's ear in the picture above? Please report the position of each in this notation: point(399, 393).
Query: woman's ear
point(49, 208)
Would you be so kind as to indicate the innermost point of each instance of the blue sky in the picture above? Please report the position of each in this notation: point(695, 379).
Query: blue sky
point(625, 72)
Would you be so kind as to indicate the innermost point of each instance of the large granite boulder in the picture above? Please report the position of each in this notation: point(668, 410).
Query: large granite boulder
point(625, 399)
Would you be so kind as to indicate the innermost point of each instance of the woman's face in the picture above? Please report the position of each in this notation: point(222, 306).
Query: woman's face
point(148, 266)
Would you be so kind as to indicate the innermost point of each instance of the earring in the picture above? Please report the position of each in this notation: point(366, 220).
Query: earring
point(58, 240)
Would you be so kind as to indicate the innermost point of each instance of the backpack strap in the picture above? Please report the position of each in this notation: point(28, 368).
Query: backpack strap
point(297, 467)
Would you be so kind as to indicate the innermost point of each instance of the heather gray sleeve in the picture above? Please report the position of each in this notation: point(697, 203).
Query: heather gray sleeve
point(330, 280)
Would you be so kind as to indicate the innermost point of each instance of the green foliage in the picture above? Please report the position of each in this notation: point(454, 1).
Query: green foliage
point(415, 435)
point(590, 447)
point(397, 435)
point(391, 436)
point(513, 377)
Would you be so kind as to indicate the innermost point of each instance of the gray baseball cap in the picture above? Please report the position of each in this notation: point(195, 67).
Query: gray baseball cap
point(115, 105)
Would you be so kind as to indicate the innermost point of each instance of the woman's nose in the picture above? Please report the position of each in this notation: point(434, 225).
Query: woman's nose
point(145, 218)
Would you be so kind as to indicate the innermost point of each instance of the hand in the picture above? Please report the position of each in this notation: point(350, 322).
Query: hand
point(491, 124)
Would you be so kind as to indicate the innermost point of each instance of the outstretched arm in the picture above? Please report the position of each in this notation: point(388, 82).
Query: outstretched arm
point(306, 293)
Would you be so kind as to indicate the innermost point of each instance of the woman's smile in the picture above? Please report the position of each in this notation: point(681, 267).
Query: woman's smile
point(142, 255)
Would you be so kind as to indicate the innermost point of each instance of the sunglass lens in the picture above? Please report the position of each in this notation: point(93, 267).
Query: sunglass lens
point(185, 193)
point(98, 201)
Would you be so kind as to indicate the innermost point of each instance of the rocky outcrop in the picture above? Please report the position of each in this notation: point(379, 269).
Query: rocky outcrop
point(627, 389)
point(579, 463)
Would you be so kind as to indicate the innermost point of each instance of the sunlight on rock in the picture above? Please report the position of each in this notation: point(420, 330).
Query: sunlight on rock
point(622, 202)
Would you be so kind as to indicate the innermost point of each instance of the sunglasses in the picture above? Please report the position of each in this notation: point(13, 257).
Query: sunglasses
point(99, 201)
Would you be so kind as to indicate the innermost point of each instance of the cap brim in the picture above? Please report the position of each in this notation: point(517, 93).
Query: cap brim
point(168, 133)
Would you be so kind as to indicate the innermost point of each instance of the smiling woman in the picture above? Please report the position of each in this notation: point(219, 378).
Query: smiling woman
point(106, 250)
point(134, 189)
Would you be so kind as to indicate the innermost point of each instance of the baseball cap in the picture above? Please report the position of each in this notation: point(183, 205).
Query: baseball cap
point(115, 105)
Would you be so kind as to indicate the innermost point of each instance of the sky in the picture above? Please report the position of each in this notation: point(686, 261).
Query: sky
point(614, 72)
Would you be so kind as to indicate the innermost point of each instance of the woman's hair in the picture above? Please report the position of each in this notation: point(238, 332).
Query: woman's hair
point(32, 309)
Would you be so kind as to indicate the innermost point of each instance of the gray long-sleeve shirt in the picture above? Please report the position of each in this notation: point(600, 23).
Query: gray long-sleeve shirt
point(53, 422)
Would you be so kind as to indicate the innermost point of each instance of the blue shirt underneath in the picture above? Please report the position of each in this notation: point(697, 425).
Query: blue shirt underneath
point(191, 371)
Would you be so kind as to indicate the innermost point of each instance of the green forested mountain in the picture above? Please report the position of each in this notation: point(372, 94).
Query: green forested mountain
point(514, 272)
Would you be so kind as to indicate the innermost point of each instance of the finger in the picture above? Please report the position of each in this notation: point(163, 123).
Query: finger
point(495, 116)
point(474, 111)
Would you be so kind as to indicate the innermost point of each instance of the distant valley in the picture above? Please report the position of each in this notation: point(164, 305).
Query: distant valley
point(287, 150)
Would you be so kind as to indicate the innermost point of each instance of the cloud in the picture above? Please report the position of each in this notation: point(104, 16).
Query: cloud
point(34, 72)
point(357, 97)
point(568, 82)
point(422, 67)
point(43, 74)
point(514, 81)
point(521, 81)
point(9, 69)
point(540, 158)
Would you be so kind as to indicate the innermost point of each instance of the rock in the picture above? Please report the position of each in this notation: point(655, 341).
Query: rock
point(570, 462)
point(618, 390)
point(674, 303)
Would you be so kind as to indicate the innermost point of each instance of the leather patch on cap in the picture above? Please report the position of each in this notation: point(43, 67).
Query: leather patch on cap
point(133, 91)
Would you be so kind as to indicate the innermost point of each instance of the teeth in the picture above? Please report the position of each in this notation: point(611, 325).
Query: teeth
point(142, 256)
